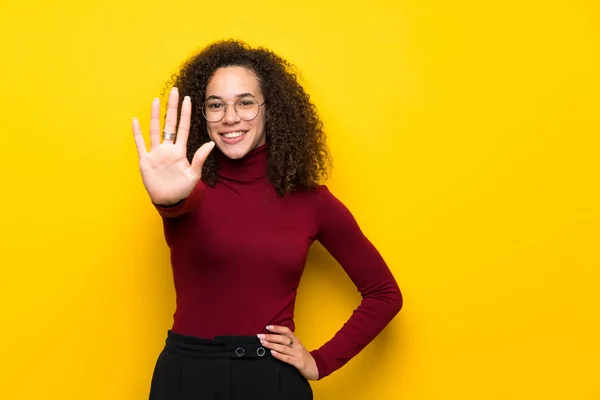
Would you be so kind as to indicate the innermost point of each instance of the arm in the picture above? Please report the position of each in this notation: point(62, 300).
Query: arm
point(184, 206)
point(381, 297)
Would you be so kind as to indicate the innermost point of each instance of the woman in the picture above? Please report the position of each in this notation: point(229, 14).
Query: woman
point(236, 184)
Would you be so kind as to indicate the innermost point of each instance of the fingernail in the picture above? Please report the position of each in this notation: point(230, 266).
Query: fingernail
point(269, 327)
point(187, 98)
point(273, 352)
point(263, 342)
point(261, 336)
point(134, 119)
point(174, 89)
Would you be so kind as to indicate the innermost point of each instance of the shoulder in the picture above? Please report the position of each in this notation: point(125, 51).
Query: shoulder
point(317, 194)
point(317, 199)
point(325, 196)
point(318, 191)
point(328, 206)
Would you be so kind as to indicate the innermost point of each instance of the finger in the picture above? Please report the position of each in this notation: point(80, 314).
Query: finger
point(171, 118)
point(183, 130)
point(280, 348)
point(155, 123)
point(286, 358)
point(281, 339)
point(200, 157)
point(283, 330)
point(140, 143)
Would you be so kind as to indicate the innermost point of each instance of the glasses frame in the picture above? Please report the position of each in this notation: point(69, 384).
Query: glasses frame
point(234, 109)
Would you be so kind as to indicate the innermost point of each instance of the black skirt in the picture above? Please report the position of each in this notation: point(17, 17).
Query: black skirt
point(224, 368)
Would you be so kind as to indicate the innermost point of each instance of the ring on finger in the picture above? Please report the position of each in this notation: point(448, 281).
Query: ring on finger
point(168, 135)
point(291, 343)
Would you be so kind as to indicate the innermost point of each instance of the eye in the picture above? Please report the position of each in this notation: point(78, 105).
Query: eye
point(214, 105)
point(246, 103)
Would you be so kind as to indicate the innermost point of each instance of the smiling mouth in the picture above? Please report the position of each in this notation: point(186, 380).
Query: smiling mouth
point(233, 135)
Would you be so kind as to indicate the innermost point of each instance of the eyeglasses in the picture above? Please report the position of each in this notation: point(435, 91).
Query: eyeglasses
point(214, 110)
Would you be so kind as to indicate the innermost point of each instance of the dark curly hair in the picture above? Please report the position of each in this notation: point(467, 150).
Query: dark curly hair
point(297, 152)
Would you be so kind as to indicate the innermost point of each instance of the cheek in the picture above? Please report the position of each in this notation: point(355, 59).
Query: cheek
point(210, 128)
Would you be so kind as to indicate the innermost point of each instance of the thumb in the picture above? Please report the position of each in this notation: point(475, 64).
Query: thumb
point(200, 157)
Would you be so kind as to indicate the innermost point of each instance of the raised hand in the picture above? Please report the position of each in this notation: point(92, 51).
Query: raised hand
point(166, 172)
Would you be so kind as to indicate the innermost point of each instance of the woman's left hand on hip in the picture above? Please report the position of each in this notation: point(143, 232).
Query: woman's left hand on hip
point(285, 346)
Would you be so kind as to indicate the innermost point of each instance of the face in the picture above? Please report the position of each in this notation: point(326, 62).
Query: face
point(234, 136)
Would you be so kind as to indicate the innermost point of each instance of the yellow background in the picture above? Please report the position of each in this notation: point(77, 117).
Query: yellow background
point(466, 142)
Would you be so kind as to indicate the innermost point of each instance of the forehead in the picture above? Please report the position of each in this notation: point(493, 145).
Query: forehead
point(230, 81)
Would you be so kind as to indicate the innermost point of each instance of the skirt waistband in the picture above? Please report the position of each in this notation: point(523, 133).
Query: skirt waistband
point(220, 347)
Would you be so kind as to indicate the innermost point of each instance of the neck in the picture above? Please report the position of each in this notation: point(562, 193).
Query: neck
point(252, 166)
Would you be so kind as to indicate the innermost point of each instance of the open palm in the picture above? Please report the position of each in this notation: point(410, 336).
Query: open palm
point(166, 172)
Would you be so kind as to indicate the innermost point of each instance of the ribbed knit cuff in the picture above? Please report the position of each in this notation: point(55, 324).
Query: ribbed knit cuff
point(320, 364)
point(185, 205)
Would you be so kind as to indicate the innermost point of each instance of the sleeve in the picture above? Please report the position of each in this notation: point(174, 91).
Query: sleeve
point(184, 206)
point(381, 300)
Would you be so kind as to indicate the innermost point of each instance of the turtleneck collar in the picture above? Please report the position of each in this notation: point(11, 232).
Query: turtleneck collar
point(253, 165)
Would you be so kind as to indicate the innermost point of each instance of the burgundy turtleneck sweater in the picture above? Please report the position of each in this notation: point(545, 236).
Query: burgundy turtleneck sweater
point(238, 251)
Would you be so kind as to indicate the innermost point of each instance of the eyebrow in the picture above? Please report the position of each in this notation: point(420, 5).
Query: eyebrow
point(239, 96)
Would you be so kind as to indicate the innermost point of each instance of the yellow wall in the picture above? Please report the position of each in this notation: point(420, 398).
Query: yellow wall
point(466, 142)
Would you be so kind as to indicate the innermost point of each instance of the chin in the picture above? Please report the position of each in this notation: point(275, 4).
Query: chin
point(234, 152)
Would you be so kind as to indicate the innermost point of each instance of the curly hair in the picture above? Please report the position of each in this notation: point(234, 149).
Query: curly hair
point(298, 157)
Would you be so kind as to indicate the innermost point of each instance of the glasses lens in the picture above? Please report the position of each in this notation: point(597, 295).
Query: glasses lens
point(213, 110)
point(246, 109)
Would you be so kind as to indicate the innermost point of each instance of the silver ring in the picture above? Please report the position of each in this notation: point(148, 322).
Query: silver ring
point(168, 135)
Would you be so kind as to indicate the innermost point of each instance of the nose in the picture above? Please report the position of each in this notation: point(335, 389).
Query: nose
point(231, 116)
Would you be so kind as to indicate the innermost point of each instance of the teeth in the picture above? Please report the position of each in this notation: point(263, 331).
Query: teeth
point(232, 135)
